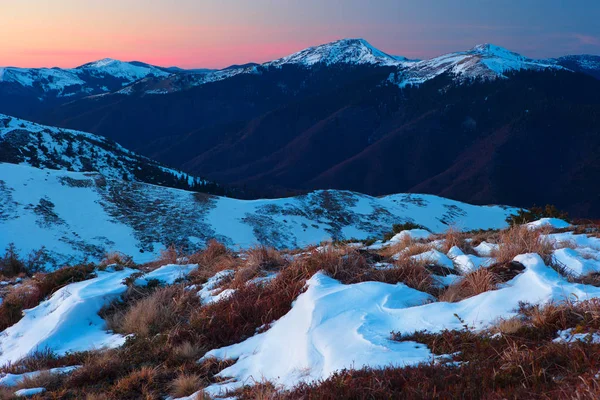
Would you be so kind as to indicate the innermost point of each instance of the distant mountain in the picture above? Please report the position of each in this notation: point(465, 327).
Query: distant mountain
point(586, 64)
point(96, 77)
point(345, 51)
point(27, 143)
point(472, 125)
point(81, 216)
point(485, 61)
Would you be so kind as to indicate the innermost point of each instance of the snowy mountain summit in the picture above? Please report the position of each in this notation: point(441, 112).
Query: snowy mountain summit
point(344, 51)
point(484, 61)
point(92, 78)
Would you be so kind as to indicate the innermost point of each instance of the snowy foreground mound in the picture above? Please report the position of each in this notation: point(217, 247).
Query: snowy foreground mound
point(69, 321)
point(78, 216)
point(334, 326)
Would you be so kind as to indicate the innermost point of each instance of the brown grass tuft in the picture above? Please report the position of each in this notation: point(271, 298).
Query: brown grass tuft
point(138, 384)
point(185, 385)
point(117, 258)
point(214, 258)
point(507, 326)
point(186, 351)
point(412, 273)
point(155, 313)
point(472, 284)
point(521, 240)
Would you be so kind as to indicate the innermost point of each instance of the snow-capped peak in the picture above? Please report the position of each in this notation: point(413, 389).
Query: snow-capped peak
point(344, 51)
point(101, 63)
point(491, 50)
point(484, 61)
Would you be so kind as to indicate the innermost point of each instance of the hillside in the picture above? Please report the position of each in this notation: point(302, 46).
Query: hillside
point(40, 146)
point(80, 216)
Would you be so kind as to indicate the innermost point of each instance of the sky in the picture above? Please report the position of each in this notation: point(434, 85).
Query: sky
point(219, 33)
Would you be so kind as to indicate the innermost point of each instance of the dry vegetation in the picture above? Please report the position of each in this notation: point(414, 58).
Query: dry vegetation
point(472, 284)
point(171, 328)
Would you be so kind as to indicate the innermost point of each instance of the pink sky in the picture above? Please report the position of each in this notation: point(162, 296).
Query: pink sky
point(218, 33)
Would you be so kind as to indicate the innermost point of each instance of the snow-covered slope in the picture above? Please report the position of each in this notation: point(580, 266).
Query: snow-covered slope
point(485, 61)
point(80, 216)
point(97, 77)
point(28, 143)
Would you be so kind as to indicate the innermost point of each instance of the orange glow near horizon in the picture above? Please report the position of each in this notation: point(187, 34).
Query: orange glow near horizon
point(218, 33)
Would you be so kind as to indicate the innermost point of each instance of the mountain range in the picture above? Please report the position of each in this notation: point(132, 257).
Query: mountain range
point(476, 125)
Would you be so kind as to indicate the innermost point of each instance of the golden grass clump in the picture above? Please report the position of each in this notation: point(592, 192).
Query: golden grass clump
point(154, 313)
point(214, 258)
point(522, 240)
point(472, 284)
point(185, 385)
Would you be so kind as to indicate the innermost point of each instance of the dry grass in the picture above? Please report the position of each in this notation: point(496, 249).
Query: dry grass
point(97, 367)
point(138, 384)
point(214, 258)
point(186, 351)
point(45, 379)
point(454, 237)
point(472, 284)
point(258, 259)
point(116, 258)
point(507, 326)
point(155, 313)
point(412, 273)
point(406, 247)
point(185, 385)
point(521, 240)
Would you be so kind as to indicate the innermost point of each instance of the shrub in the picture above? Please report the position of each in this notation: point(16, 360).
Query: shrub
point(17, 299)
point(11, 265)
point(98, 367)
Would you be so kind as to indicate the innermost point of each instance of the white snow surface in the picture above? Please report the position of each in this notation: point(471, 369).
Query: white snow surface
point(549, 222)
point(68, 321)
point(434, 257)
point(334, 326)
point(29, 392)
point(77, 215)
point(15, 379)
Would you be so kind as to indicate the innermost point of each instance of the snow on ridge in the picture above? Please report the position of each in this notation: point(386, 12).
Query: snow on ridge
point(344, 51)
point(83, 80)
point(484, 61)
point(58, 148)
point(140, 219)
